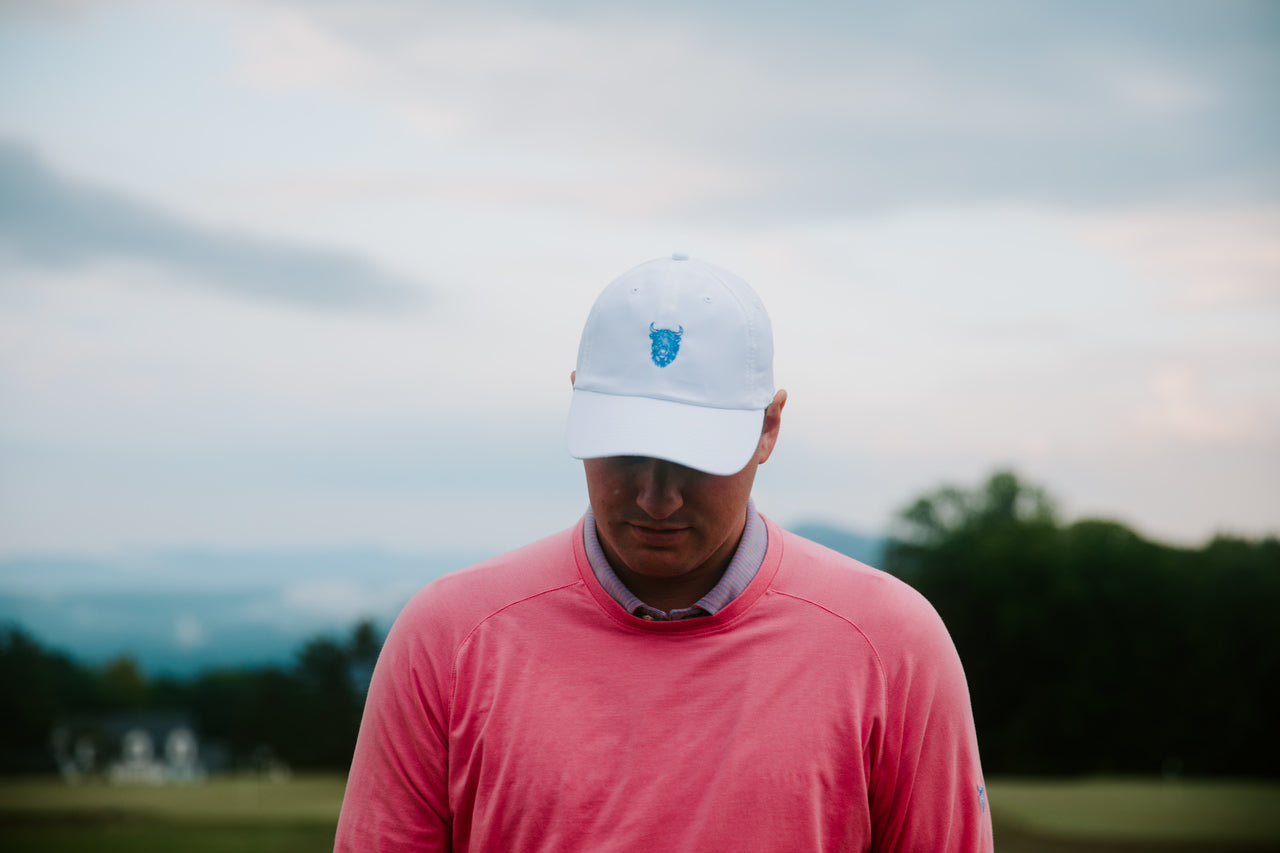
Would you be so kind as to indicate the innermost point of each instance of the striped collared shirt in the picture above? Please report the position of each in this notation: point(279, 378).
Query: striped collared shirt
point(742, 568)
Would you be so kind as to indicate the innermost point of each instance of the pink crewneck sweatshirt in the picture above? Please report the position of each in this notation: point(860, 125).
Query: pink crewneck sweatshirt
point(517, 707)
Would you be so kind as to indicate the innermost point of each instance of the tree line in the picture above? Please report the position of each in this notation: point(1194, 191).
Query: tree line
point(304, 716)
point(1088, 649)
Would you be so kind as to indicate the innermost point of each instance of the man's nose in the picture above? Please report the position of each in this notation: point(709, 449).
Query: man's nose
point(659, 487)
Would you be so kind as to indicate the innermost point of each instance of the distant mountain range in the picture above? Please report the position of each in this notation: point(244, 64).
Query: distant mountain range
point(181, 612)
point(184, 611)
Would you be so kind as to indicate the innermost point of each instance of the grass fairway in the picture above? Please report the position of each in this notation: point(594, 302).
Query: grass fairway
point(222, 799)
point(1138, 814)
point(252, 815)
point(160, 837)
point(244, 814)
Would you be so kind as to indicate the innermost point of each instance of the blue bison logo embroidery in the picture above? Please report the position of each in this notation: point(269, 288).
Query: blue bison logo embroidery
point(666, 344)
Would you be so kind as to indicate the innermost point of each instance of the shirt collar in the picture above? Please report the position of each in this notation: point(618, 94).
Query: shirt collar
point(746, 561)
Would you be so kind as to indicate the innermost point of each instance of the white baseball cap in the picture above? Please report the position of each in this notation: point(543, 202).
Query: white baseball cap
point(675, 362)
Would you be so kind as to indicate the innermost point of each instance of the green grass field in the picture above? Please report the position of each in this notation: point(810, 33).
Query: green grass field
point(252, 815)
point(245, 814)
point(1135, 815)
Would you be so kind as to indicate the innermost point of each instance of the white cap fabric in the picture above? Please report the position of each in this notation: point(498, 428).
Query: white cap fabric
point(675, 362)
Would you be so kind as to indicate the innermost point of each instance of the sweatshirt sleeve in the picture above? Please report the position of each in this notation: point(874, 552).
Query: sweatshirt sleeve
point(397, 792)
point(927, 792)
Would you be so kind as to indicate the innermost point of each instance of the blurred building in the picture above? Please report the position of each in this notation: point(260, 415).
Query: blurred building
point(131, 748)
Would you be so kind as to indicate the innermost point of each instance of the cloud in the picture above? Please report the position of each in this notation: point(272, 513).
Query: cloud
point(822, 112)
point(189, 632)
point(1213, 258)
point(52, 222)
point(343, 600)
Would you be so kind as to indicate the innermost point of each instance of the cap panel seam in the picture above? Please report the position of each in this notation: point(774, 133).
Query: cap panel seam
point(752, 354)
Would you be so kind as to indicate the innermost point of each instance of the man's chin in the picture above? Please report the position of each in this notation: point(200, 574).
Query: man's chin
point(656, 563)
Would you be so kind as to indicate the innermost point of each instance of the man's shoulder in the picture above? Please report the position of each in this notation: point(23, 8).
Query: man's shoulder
point(838, 579)
point(466, 597)
point(881, 606)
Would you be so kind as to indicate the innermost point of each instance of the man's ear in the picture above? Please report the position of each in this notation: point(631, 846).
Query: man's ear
point(772, 425)
point(573, 376)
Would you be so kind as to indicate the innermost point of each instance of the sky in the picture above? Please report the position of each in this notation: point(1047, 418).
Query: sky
point(299, 276)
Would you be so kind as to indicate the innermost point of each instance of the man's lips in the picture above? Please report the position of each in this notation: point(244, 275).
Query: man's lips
point(659, 536)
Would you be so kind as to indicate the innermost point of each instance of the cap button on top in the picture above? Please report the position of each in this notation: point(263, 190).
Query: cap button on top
point(679, 256)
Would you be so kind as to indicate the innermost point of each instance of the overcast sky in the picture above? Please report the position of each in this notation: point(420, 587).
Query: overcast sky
point(311, 274)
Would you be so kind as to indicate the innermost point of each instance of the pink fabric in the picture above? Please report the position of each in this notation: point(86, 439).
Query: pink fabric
point(517, 707)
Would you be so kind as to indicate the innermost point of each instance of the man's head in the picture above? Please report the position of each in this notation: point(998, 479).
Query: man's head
point(675, 362)
point(673, 409)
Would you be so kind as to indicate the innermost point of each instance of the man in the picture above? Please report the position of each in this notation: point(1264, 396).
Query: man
point(675, 672)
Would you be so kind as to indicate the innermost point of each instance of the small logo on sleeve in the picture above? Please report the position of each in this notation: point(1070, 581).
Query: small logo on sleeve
point(982, 798)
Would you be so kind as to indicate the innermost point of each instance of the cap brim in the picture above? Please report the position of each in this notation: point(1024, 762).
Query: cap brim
point(717, 441)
